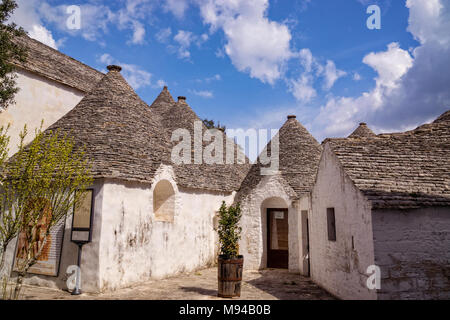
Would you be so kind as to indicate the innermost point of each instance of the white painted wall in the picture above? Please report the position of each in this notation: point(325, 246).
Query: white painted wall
point(271, 192)
point(129, 246)
point(38, 99)
point(336, 266)
point(412, 249)
point(135, 247)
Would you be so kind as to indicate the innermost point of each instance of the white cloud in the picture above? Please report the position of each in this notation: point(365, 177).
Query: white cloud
point(332, 74)
point(203, 93)
point(255, 44)
point(216, 77)
point(427, 21)
point(303, 87)
point(96, 18)
point(163, 35)
point(390, 65)
point(340, 114)
point(409, 89)
point(138, 33)
point(176, 7)
point(306, 59)
point(220, 53)
point(41, 34)
point(161, 83)
point(135, 76)
point(185, 39)
point(357, 76)
point(27, 16)
point(133, 16)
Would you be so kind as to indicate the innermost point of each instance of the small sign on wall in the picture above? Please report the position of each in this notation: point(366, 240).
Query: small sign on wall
point(279, 215)
point(82, 218)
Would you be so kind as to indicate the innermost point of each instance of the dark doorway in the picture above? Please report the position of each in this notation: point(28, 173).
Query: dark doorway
point(277, 239)
point(305, 244)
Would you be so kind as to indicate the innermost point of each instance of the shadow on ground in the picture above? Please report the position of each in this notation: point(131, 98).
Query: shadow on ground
point(276, 283)
point(202, 285)
point(201, 291)
point(286, 286)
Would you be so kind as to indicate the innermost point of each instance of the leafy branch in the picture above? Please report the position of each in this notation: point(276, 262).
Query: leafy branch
point(229, 230)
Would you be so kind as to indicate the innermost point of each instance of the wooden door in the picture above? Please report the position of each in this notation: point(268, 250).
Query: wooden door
point(305, 244)
point(278, 238)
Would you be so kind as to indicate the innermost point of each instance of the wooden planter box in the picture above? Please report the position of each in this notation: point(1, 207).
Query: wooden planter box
point(230, 276)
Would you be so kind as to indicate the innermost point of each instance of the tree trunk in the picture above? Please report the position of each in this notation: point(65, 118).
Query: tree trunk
point(2, 258)
point(19, 282)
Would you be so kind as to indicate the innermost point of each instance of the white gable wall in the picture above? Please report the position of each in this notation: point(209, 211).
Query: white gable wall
point(412, 249)
point(136, 247)
point(38, 99)
point(271, 192)
point(336, 266)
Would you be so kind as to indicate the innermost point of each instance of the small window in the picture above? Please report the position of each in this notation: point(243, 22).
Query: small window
point(164, 201)
point(331, 221)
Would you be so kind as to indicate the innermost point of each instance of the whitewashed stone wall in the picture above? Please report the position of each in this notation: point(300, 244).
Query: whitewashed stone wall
point(338, 266)
point(129, 246)
point(38, 99)
point(271, 192)
point(412, 249)
point(135, 246)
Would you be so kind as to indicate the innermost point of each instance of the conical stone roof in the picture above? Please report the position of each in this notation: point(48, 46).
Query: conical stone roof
point(299, 157)
point(215, 177)
point(164, 100)
point(123, 139)
point(404, 170)
point(363, 131)
point(445, 117)
point(52, 64)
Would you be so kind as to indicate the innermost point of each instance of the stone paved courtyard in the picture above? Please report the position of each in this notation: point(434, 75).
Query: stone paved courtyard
point(201, 285)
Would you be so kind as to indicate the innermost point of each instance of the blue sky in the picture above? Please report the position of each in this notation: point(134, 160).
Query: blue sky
point(250, 63)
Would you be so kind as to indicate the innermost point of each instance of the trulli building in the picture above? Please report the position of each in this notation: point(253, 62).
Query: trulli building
point(332, 212)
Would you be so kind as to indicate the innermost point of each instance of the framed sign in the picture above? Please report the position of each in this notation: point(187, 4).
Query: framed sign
point(82, 219)
point(279, 215)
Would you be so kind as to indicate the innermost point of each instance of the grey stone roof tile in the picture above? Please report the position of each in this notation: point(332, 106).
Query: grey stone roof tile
point(299, 160)
point(123, 139)
point(363, 131)
point(54, 65)
point(217, 177)
point(400, 170)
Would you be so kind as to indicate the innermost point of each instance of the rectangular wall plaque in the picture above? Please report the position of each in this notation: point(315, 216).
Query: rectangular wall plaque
point(279, 215)
point(82, 219)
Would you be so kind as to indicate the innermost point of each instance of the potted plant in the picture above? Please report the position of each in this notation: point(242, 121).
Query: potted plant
point(230, 264)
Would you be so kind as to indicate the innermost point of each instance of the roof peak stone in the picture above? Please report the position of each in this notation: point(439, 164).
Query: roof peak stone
point(363, 131)
point(114, 68)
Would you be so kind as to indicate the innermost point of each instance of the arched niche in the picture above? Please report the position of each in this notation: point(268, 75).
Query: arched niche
point(164, 201)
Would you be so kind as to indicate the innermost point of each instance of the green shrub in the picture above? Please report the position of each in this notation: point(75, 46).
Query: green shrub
point(229, 230)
